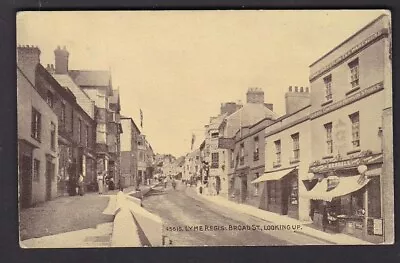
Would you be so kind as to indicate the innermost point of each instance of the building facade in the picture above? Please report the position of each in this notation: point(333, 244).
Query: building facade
point(129, 151)
point(349, 96)
point(37, 134)
point(287, 157)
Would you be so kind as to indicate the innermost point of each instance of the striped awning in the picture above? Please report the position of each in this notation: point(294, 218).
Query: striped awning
point(345, 186)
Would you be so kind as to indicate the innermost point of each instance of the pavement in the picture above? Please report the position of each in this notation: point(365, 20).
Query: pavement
point(335, 238)
point(71, 221)
point(190, 220)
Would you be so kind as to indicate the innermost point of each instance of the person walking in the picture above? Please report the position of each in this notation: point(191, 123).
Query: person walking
point(80, 185)
point(100, 182)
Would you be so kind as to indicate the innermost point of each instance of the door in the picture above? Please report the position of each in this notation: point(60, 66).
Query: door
point(26, 181)
point(49, 176)
point(285, 196)
point(243, 190)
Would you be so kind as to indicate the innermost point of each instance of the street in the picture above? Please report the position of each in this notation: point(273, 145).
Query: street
point(189, 220)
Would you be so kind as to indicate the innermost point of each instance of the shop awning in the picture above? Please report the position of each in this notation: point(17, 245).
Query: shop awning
point(346, 186)
point(272, 176)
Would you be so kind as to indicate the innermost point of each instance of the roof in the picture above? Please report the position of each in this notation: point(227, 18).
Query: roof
point(214, 124)
point(82, 98)
point(91, 78)
point(122, 117)
point(248, 115)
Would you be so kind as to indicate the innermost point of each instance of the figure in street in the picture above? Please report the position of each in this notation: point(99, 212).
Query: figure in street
point(100, 181)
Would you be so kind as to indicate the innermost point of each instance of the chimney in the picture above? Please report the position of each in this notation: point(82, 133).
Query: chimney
point(297, 99)
point(28, 57)
point(255, 95)
point(61, 58)
point(229, 107)
point(50, 68)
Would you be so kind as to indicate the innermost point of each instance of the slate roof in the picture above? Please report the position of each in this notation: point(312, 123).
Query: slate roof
point(248, 115)
point(82, 98)
point(91, 78)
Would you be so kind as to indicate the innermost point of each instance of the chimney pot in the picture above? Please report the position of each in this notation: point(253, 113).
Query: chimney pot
point(301, 89)
point(307, 89)
point(290, 88)
point(296, 89)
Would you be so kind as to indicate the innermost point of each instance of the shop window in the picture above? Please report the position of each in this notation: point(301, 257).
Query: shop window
point(353, 204)
point(294, 192)
point(36, 170)
point(272, 192)
point(374, 198)
point(328, 87)
point(329, 138)
point(214, 160)
point(354, 73)
point(355, 129)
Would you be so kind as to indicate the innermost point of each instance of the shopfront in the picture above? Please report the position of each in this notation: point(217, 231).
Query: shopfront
point(345, 197)
point(280, 191)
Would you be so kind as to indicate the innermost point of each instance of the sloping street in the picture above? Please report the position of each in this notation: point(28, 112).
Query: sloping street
point(182, 210)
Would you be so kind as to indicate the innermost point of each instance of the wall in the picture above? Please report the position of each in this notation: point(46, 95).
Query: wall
point(28, 97)
point(303, 128)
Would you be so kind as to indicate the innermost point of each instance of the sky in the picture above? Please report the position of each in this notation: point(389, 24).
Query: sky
point(179, 66)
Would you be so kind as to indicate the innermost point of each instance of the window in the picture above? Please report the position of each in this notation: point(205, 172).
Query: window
point(329, 140)
point(256, 149)
point(241, 160)
point(79, 130)
point(62, 116)
point(296, 146)
point(214, 160)
point(36, 124)
point(355, 129)
point(328, 87)
point(36, 170)
point(53, 136)
point(141, 156)
point(214, 135)
point(50, 99)
point(354, 73)
point(87, 135)
point(374, 198)
point(272, 192)
point(278, 152)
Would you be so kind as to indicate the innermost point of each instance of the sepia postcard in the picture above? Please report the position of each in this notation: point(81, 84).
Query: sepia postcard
point(204, 128)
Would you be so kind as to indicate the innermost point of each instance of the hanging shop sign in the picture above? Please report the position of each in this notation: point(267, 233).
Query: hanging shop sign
point(226, 143)
point(332, 182)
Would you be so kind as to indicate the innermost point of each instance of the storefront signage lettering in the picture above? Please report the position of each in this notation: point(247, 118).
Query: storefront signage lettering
point(333, 165)
point(350, 52)
point(357, 96)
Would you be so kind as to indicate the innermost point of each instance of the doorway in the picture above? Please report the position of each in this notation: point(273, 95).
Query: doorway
point(26, 181)
point(243, 190)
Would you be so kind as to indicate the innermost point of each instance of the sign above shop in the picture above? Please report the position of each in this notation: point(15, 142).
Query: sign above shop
point(337, 163)
point(226, 143)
